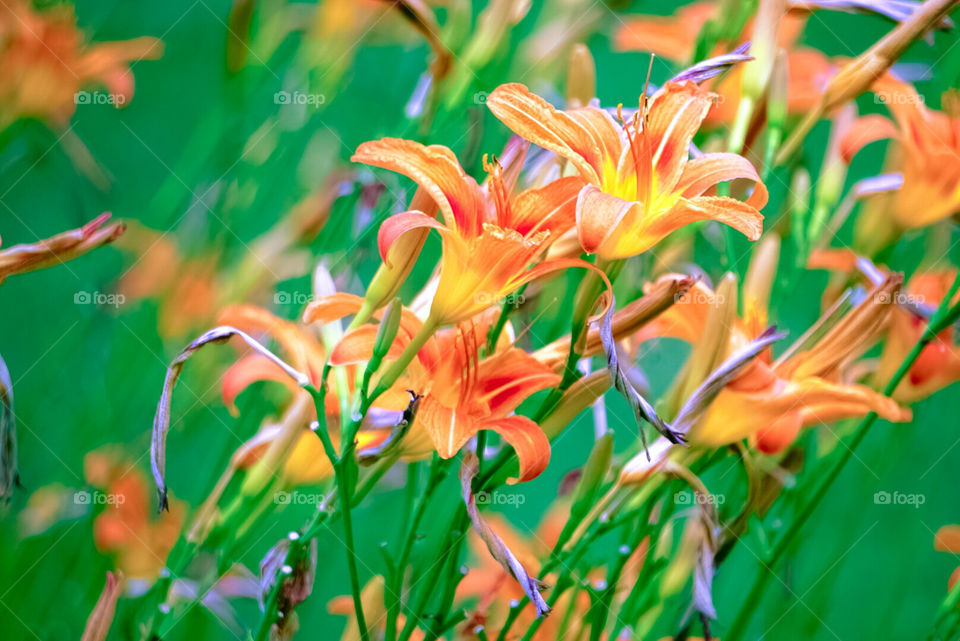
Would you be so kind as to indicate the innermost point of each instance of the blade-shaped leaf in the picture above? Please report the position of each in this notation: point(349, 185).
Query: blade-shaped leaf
point(698, 402)
point(8, 435)
point(161, 420)
point(712, 67)
point(498, 549)
point(641, 407)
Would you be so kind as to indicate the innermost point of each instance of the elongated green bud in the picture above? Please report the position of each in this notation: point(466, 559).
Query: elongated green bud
point(387, 332)
point(592, 475)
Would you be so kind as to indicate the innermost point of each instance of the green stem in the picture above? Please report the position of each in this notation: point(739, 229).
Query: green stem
point(395, 584)
point(339, 464)
point(945, 316)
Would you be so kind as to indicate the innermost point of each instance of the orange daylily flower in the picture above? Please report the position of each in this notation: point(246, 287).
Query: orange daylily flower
point(927, 152)
point(675, 38)
point(771, 401)
point(125, 528)
point(939, 363)
point(46, 61)
point(638, 184)
point(462, 393)
point(490, 236)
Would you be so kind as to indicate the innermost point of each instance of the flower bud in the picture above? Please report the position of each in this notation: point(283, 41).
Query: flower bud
point(581, 77)
point(592, 475)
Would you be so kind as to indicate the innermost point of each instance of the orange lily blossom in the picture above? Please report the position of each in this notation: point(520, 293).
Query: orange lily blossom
point(939, 363)
point(771, 401)
point(927, 147)
point(638, 184)
point(490, 237)
point(462, 393)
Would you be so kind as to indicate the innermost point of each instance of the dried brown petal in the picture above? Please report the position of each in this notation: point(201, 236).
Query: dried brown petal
point(98, 624)
point(59, 249)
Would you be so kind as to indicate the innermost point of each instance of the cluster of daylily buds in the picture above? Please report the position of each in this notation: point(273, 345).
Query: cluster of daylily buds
point(592, 214)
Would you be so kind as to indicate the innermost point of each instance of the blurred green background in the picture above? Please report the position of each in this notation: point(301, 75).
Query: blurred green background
point(209, 157)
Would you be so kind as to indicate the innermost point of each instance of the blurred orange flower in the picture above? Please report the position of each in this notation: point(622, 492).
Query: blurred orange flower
point(939, 363)
point(675, 38)
point(639, 184)
point(124, 528)
point(46, 62)
point(926, 151)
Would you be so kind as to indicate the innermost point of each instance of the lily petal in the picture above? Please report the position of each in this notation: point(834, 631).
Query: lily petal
point(599, 216)
point(506, 379)
point(864, 131)
point(700, 174)
point(398, 225)
point(249, 370)
point(552, 208)
point(675, 114)
point(584, 136)
point(528, 441)
point(729, 211)
point(436, 169)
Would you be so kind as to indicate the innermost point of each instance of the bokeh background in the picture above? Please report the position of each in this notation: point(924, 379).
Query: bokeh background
point(205, 160)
